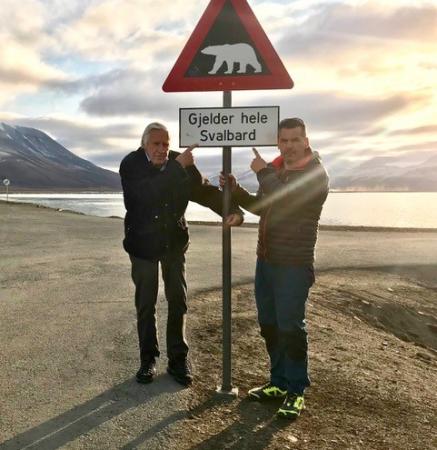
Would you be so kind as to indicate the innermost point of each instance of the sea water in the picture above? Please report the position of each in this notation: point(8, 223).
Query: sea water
point(370, 209)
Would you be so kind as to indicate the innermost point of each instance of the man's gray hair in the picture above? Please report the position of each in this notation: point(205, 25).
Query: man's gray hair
point(148, 129)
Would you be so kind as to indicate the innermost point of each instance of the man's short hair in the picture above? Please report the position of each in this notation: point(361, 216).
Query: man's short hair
point(148, 129)
point(293, 122)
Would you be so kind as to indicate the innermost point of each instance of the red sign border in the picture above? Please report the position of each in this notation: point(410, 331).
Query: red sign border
point(278, 78)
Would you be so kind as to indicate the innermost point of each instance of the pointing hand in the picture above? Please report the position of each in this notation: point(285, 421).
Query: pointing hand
point(186, 158)
point(258, 162)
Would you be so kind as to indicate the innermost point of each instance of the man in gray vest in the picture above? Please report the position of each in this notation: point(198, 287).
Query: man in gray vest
point(292, 190)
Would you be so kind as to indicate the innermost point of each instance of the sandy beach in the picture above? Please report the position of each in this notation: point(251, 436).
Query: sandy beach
point(69, 346)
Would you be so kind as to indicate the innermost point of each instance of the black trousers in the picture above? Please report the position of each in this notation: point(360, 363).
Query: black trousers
point(145, 278)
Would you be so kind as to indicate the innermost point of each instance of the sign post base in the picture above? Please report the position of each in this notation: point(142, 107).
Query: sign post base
point(232, 393)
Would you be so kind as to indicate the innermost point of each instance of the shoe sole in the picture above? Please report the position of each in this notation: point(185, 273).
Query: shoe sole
point(144, 381)
point(264, 399)
point(290, 417)
point(182, 381)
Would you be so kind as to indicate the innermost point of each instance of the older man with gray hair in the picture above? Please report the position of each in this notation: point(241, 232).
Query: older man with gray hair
point(157, 185)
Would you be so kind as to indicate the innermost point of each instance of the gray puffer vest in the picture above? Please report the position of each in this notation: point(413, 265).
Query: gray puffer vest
point(289, 203)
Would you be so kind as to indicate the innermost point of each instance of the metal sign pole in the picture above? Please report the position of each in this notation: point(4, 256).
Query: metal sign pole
point(226, 387)
point(192, 73)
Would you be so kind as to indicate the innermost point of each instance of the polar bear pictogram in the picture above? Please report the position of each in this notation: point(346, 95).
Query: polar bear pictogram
point(242, 53)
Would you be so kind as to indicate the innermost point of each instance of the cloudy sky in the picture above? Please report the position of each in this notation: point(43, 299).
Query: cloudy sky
point(89, 73)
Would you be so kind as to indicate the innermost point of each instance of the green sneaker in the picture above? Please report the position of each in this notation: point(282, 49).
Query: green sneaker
point(266, 392)
point(293, 405)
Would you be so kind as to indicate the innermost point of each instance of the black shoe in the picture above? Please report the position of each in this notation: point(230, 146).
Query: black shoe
point(146, 372)
point(180, 370)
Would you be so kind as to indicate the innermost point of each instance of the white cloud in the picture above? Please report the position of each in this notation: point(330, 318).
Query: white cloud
point(22, 36)
point(22, 21)
point(132, 30)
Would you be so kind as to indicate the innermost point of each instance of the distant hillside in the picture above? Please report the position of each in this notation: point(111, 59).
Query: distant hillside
point(30, 159)
point(389, 173)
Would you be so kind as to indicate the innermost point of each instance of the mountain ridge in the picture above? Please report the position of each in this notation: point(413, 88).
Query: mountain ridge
point(32, 160)
point(377, 174)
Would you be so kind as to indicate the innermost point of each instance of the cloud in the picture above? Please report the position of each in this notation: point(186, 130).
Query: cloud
point(22, 37)
point(123, 92)
point(349, 124)
point(335, 111)
point(99, 81)
point(426, 148)
point(373, 19)
point(22, 71)
point(19, 76)
point(128, 102)
point(334, 27)
point(370, 46)
point(72, 134)
point(22, 24)
point(425, 129)
point(134, 92)
point(133, 30)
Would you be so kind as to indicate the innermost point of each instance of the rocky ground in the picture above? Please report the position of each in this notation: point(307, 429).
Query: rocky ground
point(373, 348)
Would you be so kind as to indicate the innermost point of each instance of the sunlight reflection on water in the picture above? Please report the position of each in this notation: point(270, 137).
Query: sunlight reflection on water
point(383, 209)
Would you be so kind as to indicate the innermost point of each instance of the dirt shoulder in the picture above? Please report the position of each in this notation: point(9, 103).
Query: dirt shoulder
point(373, 348)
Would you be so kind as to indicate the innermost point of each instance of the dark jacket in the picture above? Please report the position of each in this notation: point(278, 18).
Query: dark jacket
point(289, 203)
point(156, 201)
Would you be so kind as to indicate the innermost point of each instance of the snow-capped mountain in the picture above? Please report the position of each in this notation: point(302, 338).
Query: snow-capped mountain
point(31, 159)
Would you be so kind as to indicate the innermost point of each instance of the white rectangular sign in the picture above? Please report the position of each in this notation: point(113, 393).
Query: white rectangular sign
point(235, 127)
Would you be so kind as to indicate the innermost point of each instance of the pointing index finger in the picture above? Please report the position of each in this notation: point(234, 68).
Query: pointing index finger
point(192, 147)
point(255, 152)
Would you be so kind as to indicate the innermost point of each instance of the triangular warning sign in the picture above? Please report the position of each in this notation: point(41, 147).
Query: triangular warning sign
point(228, 50)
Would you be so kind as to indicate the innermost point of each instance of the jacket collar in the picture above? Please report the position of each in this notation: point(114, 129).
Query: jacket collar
point(278, 162)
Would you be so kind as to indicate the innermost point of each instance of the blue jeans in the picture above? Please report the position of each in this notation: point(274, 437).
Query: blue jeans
point(281, 293)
